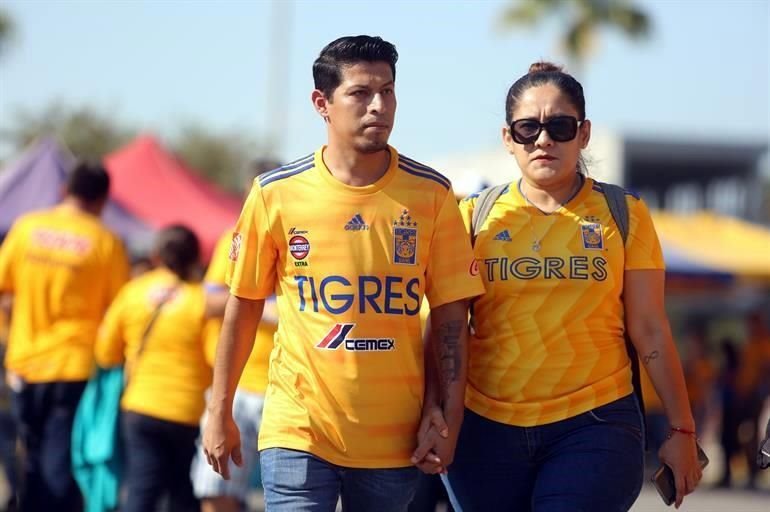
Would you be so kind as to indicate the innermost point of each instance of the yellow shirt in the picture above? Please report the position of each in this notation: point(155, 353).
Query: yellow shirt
point(63, 268)
point(548, 341)
point(254, 377)
point(170, 376)
point(349, 267)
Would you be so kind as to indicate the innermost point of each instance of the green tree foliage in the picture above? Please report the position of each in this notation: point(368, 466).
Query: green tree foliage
point(86, 131)
point(6, 31)
point(92, 133)
point(582, 21)
point(219, 157)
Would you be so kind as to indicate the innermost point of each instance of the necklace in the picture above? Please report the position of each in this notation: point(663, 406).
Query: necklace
point(537, 242)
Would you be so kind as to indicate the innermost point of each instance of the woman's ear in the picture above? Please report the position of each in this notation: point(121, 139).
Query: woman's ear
point(584, 133)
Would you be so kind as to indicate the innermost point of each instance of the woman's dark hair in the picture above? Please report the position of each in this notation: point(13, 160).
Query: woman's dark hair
point(178, 249)
point(542, 73)
point(346, 51)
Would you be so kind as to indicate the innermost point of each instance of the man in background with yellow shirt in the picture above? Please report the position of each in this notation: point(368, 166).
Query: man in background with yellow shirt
point(215, 493)
point(349, 239)
point(63, 267)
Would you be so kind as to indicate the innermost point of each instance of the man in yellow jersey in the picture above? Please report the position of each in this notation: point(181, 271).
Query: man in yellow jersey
point(215, 493)
point(63, 267)
point(349, 239)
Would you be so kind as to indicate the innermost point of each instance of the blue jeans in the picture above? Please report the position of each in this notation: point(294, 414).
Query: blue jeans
point(158, 458)
point(591, 462)
point(299, 481)
point(44, 413)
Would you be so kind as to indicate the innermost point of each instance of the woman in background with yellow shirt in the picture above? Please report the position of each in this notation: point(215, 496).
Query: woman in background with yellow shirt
point(166, 371)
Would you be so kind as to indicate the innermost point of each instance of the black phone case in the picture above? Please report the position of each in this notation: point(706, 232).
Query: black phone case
point(663, 479)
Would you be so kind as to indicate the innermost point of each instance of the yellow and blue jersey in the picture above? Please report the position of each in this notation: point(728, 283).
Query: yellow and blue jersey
point(548, 342)
point(349, 267)
point(63, 267)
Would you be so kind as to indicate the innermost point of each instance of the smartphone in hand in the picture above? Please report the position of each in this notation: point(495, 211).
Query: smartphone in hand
point(663, 479)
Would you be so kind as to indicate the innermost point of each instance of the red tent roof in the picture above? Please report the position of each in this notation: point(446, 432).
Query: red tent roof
point(156, 187)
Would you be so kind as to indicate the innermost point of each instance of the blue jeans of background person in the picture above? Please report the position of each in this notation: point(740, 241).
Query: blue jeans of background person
point(44, 413)
point(591, 462)
point(301, 482)
point(158, 458)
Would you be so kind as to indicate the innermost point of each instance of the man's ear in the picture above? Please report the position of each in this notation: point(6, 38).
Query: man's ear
point(320, 103)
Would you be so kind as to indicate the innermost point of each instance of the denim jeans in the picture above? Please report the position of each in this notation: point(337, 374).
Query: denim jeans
point(158, 458)
point(299, 481)
point(591, 462)
point(44, 413)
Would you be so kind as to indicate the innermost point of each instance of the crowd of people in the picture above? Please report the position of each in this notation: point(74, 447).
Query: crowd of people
point(304, 348)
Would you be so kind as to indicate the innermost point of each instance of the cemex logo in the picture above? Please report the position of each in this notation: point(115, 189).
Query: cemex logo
point(338, 334)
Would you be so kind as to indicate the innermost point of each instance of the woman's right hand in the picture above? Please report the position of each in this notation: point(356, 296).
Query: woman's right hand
point(680, 453)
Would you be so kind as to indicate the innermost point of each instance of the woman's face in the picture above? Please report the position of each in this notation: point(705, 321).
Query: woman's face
point(545, 161)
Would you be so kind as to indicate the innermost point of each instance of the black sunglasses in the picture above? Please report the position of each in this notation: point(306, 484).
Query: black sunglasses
point(559, 128)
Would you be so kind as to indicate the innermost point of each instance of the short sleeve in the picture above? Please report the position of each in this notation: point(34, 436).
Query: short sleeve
point(467, 206)
point(252, 256)
point(8, 250)
point(218, 265)
point(643, 251)
point(117, 269)
point(452, 273)
point(110, 341)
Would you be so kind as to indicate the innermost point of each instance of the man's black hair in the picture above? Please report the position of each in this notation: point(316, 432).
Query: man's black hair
point(347, 51)
point(89, 182)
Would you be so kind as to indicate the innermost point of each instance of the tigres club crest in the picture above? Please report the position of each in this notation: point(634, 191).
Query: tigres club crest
point(404, 240)
point(592, 236)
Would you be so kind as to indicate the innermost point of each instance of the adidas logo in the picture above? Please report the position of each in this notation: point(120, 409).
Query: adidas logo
point(357, 224)
point(504, 236)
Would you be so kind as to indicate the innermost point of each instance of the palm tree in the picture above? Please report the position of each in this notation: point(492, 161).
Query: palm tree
point(584, 18)
point(6, 30)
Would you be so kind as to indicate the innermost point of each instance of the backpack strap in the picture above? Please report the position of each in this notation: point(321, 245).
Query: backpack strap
point(484, 203)
point(616, 200)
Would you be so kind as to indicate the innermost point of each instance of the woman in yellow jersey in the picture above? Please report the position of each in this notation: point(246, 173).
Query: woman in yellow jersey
point(551, 422)
point(156, 326)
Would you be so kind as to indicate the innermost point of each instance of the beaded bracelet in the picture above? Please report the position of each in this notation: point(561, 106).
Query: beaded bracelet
point(682, 431)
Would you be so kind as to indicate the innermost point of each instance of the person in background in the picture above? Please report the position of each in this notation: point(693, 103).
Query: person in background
point(552, 422)
point(63, 267)
point(155, 326)
point(754, 388)
point(730, 407)
point(7, 426)
point(215, 493)
point(699, 373)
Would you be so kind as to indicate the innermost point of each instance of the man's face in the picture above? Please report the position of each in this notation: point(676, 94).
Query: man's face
point(362, 108)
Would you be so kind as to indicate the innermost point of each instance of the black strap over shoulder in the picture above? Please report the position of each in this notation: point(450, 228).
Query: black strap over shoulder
point(616, 200)
point(484, 204)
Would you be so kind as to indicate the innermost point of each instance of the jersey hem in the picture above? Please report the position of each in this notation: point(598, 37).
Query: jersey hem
point(332, 458)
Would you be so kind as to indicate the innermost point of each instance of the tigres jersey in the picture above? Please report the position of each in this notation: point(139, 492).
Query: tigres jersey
point(548, 341)
point(63, 267)
point(349, 267)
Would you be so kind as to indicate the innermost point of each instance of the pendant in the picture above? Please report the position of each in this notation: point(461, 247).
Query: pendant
point(536, 246)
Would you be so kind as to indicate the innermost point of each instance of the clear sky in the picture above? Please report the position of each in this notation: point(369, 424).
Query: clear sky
point(702, 74)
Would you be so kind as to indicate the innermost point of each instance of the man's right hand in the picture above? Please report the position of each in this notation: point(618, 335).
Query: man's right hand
point(431, 440)
point(222, 441)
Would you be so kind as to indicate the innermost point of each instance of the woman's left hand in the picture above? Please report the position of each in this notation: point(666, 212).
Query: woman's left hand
point(680, 453)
